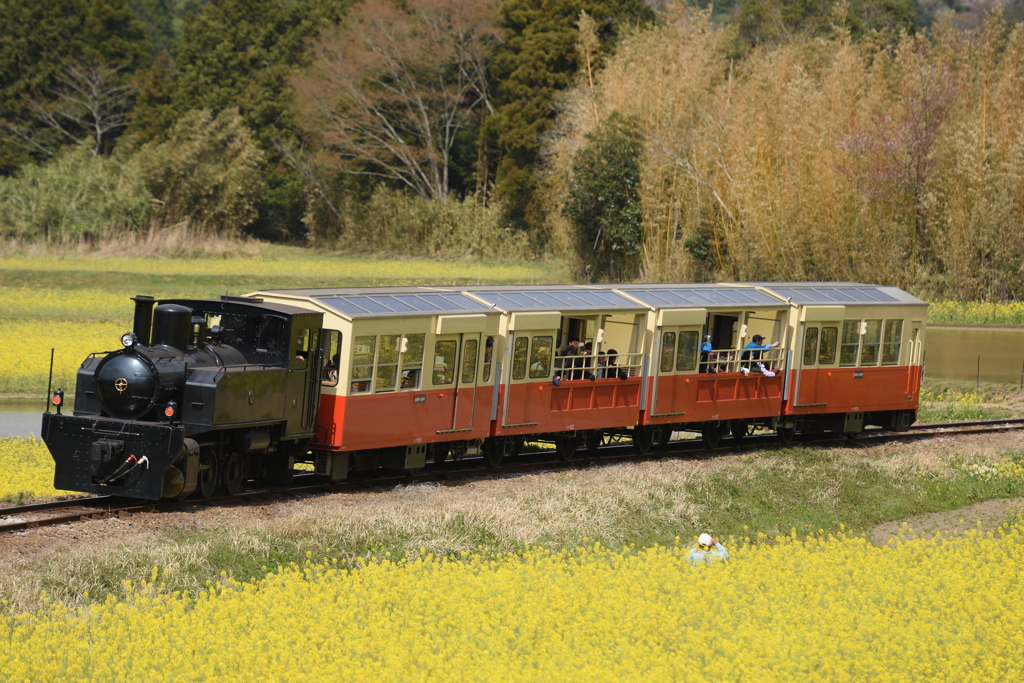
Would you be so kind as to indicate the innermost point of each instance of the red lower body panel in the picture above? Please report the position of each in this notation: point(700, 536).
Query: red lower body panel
point(540, 407)
point(852, 390)
point(360, 422)
point(713, 396)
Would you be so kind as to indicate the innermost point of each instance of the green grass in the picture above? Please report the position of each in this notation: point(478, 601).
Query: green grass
point(953, 400)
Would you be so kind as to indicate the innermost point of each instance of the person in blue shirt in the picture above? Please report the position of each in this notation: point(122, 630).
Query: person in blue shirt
point(752, 351)
point(705, 355)
point(707, 551)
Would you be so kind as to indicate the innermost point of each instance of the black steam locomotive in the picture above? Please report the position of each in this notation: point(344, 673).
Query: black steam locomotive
point(205, 395)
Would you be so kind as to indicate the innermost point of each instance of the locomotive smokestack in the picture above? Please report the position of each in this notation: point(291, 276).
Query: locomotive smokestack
point(143, 318)
point(171, 326)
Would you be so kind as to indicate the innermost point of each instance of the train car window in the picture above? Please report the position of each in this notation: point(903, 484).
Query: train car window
point(488, 352)
point(469, 361)
point(668, 351)
point(444, 361)
point(540, 357)
point(519, 350)
point(870, 345)
point(270, 336)
point(810, 345)
point(412, 360)
point(851, 339)
point(891, 342)
point(827, 350)
point(687, 358)
point(332, 357)
point(387, 362)
point(364, 350)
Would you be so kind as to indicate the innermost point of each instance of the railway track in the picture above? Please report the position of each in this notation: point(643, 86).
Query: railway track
point(23, 517)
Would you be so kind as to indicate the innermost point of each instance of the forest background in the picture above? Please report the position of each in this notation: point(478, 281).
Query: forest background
point(870, 140)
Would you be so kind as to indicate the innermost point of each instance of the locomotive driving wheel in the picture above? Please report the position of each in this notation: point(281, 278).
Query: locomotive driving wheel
point(207, 483)
point(231, 474)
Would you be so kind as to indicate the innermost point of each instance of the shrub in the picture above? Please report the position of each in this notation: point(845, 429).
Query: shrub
point(206, 172)
point(77, 195)
point(398, 223)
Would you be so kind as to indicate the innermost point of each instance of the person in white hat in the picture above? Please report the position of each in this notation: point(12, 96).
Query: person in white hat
point(707, 551)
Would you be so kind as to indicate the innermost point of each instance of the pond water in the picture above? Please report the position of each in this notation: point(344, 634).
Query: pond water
point(21, 420)
point(988, 353)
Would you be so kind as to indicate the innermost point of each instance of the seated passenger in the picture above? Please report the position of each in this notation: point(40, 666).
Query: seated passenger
point(752, 351)
point(610, 369)
point(583, 362)
point(331, 370)
point(270, 346)
point(410, 379)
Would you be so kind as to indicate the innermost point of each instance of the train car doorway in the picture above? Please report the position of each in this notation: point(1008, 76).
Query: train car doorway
point(456, 359)
point(723, 331)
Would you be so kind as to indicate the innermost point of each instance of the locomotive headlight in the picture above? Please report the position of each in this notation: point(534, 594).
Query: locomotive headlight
point(128, 340)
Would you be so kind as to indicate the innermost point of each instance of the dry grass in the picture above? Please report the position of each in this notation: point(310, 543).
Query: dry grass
point(182, 240)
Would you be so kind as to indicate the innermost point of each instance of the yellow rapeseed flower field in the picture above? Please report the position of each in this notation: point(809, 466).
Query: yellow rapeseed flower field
point(25, 353)
point(828, 609)
point(27, 469)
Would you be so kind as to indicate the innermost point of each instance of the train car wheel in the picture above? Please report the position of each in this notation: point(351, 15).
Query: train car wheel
point(643, 438)
point(567, 447)
point(594, 439)
point(711, 435)
point(496, 448)
point(786, 434)
point(738, 429)
point(231, 474)
point(207, 484)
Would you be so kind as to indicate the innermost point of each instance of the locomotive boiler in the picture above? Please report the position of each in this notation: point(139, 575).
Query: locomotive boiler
point(202, 396)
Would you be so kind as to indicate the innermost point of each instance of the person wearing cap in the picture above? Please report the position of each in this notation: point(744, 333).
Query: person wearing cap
point(752, 351)
point(705, 354)
point(707, 551)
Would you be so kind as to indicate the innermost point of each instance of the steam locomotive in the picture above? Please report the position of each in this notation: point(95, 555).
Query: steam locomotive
point(204, 395)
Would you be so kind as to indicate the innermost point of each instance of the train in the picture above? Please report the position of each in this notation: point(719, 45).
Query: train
point(206, 397)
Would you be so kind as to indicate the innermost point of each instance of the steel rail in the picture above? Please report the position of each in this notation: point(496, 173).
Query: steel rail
point(475, 467)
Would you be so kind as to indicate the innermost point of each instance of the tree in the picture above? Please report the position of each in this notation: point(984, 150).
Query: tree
point(90, 106)
point(391, 89)
point(207, 171)
point(603, 202)
point(39, 42)
point(537, 62)
point(239, 54)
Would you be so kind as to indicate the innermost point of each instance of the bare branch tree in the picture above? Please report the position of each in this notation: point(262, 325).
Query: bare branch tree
point(392, 87)
point(92, 103)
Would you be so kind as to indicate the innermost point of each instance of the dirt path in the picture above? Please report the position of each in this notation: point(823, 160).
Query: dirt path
point(985, 516)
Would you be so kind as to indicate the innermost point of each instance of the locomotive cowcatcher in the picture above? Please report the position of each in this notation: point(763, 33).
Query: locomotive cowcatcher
point(203, 395)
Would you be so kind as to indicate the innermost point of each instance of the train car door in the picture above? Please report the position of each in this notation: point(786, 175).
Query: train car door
point(676, 357)
point(456, 358)
point(302, 395)
point(531, 368)
point(818, 355)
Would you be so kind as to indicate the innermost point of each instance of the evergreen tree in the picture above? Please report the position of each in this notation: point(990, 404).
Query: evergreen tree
point(538, 61)
point(39, 42)
point(239, 54)
point(603, 202)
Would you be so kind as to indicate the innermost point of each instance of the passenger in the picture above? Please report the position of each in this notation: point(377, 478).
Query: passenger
point(564, 359)
point(611, 369)
point(705, 355)
point(713, 365)
point(752, 351)
point(270, 344)
point(707, 551)
point(331, 369)
point(583, 362)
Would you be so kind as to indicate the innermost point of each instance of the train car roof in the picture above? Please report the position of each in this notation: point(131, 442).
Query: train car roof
point(667, 295)
point(388, 302)
point(553, 298)
point(840, 293)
